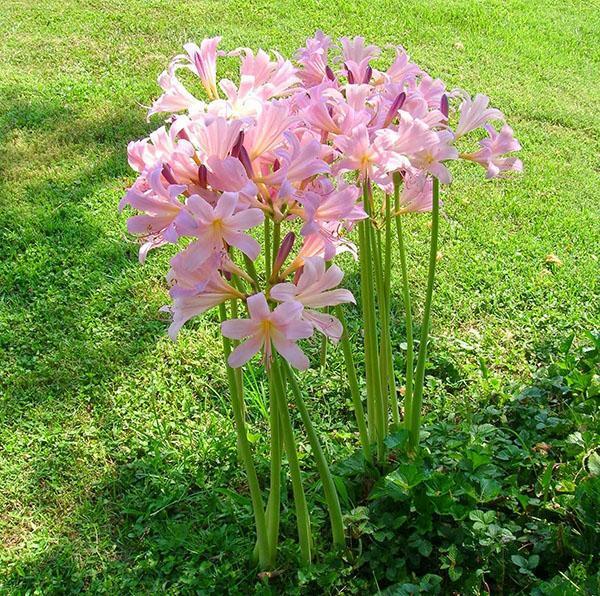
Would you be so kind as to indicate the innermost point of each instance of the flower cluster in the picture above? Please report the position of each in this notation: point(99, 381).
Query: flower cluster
point(289, 147)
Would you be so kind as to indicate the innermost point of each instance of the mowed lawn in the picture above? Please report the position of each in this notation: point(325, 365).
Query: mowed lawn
point(118, 467)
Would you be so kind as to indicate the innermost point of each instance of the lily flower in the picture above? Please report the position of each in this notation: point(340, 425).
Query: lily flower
point(493, 149)
point(474, 113)
point(218, 226)
point(278, 330)
point(314, 289)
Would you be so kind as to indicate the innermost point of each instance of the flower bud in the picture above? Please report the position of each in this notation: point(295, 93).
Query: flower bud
point(284, 250)
point(202, 176)
point(167, 173)
point(349, 74)
point(444, 106)
point(235, 150)
point(396, 105)
point(245, 159)
point(329, 73)
point(368, 75)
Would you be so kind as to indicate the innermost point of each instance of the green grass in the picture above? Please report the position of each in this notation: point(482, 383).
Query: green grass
point(118, 466)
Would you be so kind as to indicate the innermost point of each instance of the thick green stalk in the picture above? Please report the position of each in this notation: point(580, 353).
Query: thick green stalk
point(268, 261)
point(302, 517)
point(407, 309)
point(276, 244)
point(364, 291)
point(368, 248)
point(415, 422)
point(240, 425)
point(354, 388)
point(388, 312)
point(274, 501)
point(331, 496)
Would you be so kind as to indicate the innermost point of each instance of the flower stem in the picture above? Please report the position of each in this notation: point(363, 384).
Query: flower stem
point(353, 382)
point(268, 262)
point(417, 399)
point(331, 496)
point(240, 425)
point(302, 517)
point(407, 309)
point(274, 501)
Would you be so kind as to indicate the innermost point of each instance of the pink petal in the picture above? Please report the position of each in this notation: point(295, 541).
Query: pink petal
point(245, 351)
point(246, 219)
point(226, 205)
point(258, 307)
point(290, 351)
point(248, 245)
point(284, 292)
point(238, 328)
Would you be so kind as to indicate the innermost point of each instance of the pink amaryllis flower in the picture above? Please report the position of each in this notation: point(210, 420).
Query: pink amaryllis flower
point(218, 226)
point(268, 330)
point(474, 113)
point(204, 63)
point(195, 291)
point(417, 193)
point(315, 289)
point(493, 149)
point(161, 205)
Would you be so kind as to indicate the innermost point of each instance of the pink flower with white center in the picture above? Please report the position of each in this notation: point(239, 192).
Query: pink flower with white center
point(402, 69)
point(162, 206)
point(267, 133)
point(431, 159)
point(204, 63)
point(313, 59)
point(298, 162)
point(215, 136)
point(194, 291)
point(357, 57)
point(218, 226)
point(175, 97)
point(313, 290)
point(493, 150)
point(417, 194)
point(372, 159)
point(229, 175)
point(336, 206)
point(278, 330)
point(474, 114)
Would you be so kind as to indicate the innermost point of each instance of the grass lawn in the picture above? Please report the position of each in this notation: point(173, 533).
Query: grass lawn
point(118, 468)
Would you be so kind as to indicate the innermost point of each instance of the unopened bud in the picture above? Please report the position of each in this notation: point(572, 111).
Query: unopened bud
point(284, 250)
point(167, 173)
point(202, 176)
point(235, 150)
point(349, 74)
point(245, 159)
point(329, 73)
point(444, 106)
point(368, 75)
point(396, 105)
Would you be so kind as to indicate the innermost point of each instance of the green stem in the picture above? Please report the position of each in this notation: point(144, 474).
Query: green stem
point(417, 400)
point(331, 496)
point(371, 352)
point(388, 311)
point(240, 425)
point(353, 382)
point(302, 517)
point(268, 262)
point(276, 243)
point(274, 501)
point(407, 310)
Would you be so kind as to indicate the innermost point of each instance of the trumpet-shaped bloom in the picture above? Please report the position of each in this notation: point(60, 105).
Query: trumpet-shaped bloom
point(313, 59)
point(314, 289)
point(204, 63)
point(417, 194)
point(267, 330)
point(474, 113)
point(161, 205)
point(493, 149)
point(195, 291)
point(175, 97)
point(218, 226)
